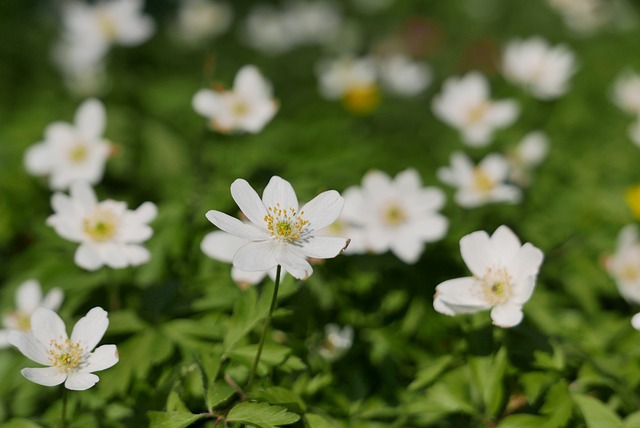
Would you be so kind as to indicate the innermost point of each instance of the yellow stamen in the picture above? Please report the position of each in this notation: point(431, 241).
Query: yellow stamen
point(361, 99)
point(481, 180)
point(101, 225)
point(285, 225)
point(477, 113)
point(66, 354)
point(632, 197)
point(394, 215)
point(78, 153)
point(496, 285)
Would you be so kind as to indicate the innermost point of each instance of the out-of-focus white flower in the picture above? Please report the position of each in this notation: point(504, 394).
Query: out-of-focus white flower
point(481, 184)
point(267, 30)
point(624, 264)
point(72, 152)
point(541, 69)
point(528, 154)
point(281, 233)
point(222, 246)
point(504, 276)
point(351, 79)
point(200, 20)
point(28, 299)
point(248, 107)
point(396, 214)
point(337, 341)
point(312, 22)
point(108, 233)
point(465, 105)
point(582, 16)
point(402, 76)
point(626, 92)
point(71, 360)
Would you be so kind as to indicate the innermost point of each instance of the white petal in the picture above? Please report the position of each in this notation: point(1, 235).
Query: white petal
point(243, 277)
point(113, 255)
point(249, 202)
point(205, 102)
point(82, 193)
point(221, 245)
point(236, 227)
point(90, 328)
point(46, 326)
point(136, 254)
point(145, 212)
point(522, 290)
point(279, 191)
point(53, 299)
point(249, 83)
point(256, 256)
point(28, 296)
point(526, 262)
point(323, 247)
point(431, 228)
point(294, 262)
point(91, 118)
point(46, 376)
point(458, 296)
point(635, 321)
point(38, 159)
point(88, 257)
point(505, 245)
point(507, 314)
point(29, 346)
point(476, 252)
point(102, 358)
point(407, 248)
point(322, 210)
point(80, 381)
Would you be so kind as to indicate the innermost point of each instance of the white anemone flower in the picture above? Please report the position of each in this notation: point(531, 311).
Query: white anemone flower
point(72, 152)
point(464, 104)
point(108, 233)
point(70, 360)
point(28, 298)
point(541, 69)
point(624, 265)
point(529, 153)
point(280, 232)
point(199, 20)
point(341, 76)
point(222, 246)
point(397, 214)
point(312, 22)
point(626, 92)
point(337, 341)
point(583, 16)
point(402, 76)
point(479, 184)
point(504, 276)
point(248, 107)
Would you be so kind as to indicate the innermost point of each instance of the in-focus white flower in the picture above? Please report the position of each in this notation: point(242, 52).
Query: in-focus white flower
point(541, 69)
point(28, 299)
point(479, 184)
point(199, 20)
point(626, 92)
point(71, 360)
point(222, 246)
point(248, 107)
point(108, 233)
point(528, 154)
point(465, 105)
point(402, 76)
point(504, 276)
point(281, 233)
point(396, 214)
point(72, 152)
point(337, 341)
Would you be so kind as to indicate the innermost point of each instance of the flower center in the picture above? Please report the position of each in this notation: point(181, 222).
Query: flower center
point(101, 225)
point(65, 355)
point(630, 272)
point(240, 108)
point(285, 225)
point(394, 215)
point(107, 26)
point(481, 181)
point(477, 113)
point(496, 285)
point(361, 99)
point(78, 153)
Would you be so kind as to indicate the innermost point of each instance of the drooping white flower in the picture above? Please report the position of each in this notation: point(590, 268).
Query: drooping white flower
point(541, 69)
point(248, 107)
point(71, 360)
point(28, 299)
point(337, 341)
point(626, 92)
point(402, 76)
point(281, 233)
point(479, 184)
point(72, 152)
point(108, 233)
point(199, 20)
point(396, 214)
point(504, 276)
point(464, 104)
point(528, 154)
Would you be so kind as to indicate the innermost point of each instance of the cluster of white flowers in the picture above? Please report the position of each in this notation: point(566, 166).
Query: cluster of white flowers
point(248, 107)
point(626, 95)
point(201, 20)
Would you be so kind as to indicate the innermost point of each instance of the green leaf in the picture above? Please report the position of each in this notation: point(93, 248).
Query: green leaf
point(246, 315)
point(175, 403)
point(218, 393)
point(272, 355)
point(174, 419)
point(558, 405)
point(125, 321)
point(522, 421)
point(632, 421)
point(595, 413)
point(20, 423)
point(488, 373)
point(281, 396)
point(261, 415)
point(428, 374)
point(317, 421)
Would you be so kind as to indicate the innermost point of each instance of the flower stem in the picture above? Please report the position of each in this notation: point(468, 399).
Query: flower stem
point(265, 329)
point(63, 422)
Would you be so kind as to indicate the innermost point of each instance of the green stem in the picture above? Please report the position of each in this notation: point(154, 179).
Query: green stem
point(265, 329)
point(63, 422)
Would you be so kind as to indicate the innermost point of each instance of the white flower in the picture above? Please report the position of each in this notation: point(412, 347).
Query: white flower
point(28, 299)
point(626, 92)
point(222, 246)
point(312, 22)
point(247, 107)
point(72, 152)
point(109, 233)
point(267, 30)
point(504, 276)
point(624, 265)
point(337, 341)
point(583, 16)
point(338, 77)
point(478, 185)
point(398, 215)
point(465, 105)
point(281, 233)
point(69, 359)
point(529, 153)
point(541, 69)
point(199, 20)
point(402, 76)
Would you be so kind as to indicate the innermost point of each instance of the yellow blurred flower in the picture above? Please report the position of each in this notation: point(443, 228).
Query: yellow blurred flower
point(632, 196)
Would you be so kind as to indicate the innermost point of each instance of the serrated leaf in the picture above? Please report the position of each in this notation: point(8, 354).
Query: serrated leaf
point(218, 393)
point(261, 415)
point(522, 421)
point(595, 413)
point(174, 419)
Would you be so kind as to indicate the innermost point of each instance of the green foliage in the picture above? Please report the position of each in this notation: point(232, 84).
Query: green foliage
point(261, 415)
